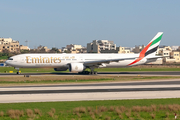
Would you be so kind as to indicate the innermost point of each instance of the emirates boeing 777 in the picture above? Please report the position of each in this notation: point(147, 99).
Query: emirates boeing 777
point(79, 62)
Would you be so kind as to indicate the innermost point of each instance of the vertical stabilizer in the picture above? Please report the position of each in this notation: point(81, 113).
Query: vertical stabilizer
point(150, 49)
point(153, 44)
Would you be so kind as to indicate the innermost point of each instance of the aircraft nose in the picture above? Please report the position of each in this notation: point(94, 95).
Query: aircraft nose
point(6, 62)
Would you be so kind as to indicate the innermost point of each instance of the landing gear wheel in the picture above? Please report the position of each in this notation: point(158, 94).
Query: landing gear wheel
point(84, 72)
point(92, 73)
point(17, 71)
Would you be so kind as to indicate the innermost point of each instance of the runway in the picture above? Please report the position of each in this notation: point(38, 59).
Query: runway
point(96, 91)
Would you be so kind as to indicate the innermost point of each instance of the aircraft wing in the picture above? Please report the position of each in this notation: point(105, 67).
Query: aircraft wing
point(100, 62)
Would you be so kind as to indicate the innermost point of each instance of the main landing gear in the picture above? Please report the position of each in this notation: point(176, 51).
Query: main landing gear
point(92, 71)
point(17, 71)
point(89, 73)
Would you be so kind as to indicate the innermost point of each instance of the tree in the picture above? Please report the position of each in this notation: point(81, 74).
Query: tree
point(67, 51)
point(24, 51)
point(54, 50)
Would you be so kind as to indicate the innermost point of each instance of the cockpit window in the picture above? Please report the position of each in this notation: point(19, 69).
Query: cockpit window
point(10, 59)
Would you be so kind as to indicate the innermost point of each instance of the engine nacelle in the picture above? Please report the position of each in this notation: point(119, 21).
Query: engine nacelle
point(61, 69)
point(76, 67)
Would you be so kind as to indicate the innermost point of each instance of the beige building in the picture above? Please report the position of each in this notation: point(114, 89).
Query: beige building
point(169, 60)
point(74, 51)
point(82, 50)
point(5, 40)
point(22, 47)
point(138, 49)
point(125, 50)
point(170, 56)
point(164, 51)
point(119, 50)
point(99, 45)
point(73, 47)
point(7, 44)
point(43, 48)
point(175, 55)
point(60, 50)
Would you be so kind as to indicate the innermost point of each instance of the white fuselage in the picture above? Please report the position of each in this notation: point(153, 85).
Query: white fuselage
point(62, 60)
point(79, 62)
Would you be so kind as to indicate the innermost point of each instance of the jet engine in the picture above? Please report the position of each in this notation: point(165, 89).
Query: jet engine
point(76, 67)
point(61, 69)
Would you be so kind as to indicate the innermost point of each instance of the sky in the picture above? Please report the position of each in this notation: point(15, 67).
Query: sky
point(57, 23)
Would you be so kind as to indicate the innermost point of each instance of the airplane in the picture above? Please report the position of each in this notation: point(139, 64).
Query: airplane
point(79, 62)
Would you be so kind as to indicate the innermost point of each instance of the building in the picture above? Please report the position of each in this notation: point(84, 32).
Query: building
point(138, 49)
point(178, 48)
point(99, 45)
point(64, 50)
point(73, 47)
point(9, 45)
point(126, 50)
point(175, 55)
point(22, 47)
point(84, 50)
point(42, 49)
point(166, 52)
point(174, 47)
point(119, 50)
point(60, 50)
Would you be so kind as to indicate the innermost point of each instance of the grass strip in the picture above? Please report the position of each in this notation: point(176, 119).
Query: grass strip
point(76, 79)
point(3, 57)
point(107, 109)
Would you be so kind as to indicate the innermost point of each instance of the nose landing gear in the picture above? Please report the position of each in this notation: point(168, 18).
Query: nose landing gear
point(17, 71)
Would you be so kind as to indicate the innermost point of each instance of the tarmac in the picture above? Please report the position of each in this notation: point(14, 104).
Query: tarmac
point(91, 91)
